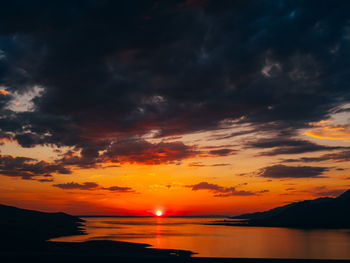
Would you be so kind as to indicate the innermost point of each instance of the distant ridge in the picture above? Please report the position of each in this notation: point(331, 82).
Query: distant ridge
point(21, 225)
point(318, 213)
point(24, 234)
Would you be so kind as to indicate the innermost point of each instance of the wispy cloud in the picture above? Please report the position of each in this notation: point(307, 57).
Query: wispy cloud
point(325, 130)
point(284, 171)
point(93, 186)
point(222, 191)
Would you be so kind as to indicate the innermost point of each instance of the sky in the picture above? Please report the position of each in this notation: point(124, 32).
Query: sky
point(194, 107)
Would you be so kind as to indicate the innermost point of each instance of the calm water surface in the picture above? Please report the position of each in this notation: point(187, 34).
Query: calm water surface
point(219, 241)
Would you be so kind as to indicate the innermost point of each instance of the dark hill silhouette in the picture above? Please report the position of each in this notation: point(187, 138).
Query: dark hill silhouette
point(21, 225)
point(280, 209)
point(24, 236)
point(319, 213)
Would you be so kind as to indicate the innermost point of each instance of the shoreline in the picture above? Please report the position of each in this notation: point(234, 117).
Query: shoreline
point(25, 237)
point(151, 255)
point(105, 251)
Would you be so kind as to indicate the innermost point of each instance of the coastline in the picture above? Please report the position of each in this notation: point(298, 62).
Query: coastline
point(114, 251)
point(24, 235)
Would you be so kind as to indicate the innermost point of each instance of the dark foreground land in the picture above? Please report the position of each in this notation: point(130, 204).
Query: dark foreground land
point(326, 213)
point(110, 251)
point(23, 235)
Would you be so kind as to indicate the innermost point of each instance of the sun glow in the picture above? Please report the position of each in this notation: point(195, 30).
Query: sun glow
point(159, 213)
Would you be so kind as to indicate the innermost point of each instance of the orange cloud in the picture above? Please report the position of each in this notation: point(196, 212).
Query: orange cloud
point(143, 152)
point(329, 132)
point(4, 92)
point(133, 152)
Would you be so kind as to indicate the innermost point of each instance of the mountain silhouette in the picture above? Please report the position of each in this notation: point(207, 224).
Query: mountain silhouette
point(25, 234)
point(319, 213)
point(23, 226)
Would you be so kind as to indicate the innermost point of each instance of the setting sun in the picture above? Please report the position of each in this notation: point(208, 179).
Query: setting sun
point(218, 130)
point(159, 213)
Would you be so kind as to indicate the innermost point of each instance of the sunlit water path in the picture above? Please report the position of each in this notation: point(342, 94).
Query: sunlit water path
point(219, 241)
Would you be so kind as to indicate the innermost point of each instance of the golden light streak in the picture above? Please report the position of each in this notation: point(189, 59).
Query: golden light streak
point(329, 132)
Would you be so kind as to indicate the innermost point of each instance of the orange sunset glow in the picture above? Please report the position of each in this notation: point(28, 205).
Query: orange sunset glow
point(174, 131)
point(208, 121)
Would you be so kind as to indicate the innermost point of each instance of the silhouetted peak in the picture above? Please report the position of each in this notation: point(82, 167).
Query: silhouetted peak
point(345, 195)
point(322, 200)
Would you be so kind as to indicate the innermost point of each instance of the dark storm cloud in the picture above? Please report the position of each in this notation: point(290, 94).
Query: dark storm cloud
point(199, 164)
point(141, 151)
point(83, 186)
point(120, 189)
point(4, 137)
point(114, 69)
point(45, 180)
point(222, 152)
point(93, 186)
point(28, 168)
point(283, 171)
point(221, 191)
point(343, 156)
point(129, 151)
point(285, 145)
point(4, 99)
point(230, 135)
point(342, 110)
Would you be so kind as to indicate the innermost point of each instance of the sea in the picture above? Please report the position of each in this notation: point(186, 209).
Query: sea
point(203, 237)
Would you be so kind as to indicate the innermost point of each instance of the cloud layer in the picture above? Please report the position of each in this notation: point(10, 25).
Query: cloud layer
point(112, 70)
point(221, 191)
point(28, 168)
point(93, 186)
point(110, 79)
point(284, 171)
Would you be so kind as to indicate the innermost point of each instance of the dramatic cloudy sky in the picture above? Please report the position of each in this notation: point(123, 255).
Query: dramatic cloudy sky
point(192, 106)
